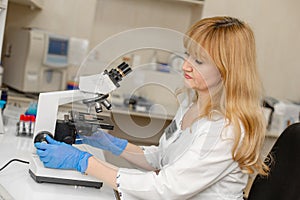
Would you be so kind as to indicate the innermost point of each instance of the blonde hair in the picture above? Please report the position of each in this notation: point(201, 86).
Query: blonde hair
point(230, 44)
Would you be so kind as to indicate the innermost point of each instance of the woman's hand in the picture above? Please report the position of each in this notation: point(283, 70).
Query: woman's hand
point(105, 141)
point(60, 155)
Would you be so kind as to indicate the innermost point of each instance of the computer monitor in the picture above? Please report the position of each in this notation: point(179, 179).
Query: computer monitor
point(56, 51)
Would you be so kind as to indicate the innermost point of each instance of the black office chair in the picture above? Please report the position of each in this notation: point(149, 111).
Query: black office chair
point(283, 182)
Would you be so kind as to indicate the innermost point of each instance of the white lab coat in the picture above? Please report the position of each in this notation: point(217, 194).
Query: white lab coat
point(195, 163)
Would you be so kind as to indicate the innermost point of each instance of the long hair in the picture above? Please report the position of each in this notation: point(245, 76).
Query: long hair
point(230, 44)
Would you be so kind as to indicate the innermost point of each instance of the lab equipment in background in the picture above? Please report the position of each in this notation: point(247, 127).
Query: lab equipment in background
point(285, 113)
point(93, 91)
point(72, 85)
point(163, 67)
point(153, 60)
point(78, 51)
point(268, 105)
point(176, 61)
point(35, 60)
point(137, 103)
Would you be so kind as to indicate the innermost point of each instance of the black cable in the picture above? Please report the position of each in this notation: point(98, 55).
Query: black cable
point(22, 161)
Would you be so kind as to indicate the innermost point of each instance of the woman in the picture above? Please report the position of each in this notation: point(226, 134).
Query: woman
point(215, 139)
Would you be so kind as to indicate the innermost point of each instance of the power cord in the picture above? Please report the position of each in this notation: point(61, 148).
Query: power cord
point(12, 160)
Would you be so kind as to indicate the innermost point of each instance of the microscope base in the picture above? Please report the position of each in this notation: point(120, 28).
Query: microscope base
point(44, 179)
point(68, 177)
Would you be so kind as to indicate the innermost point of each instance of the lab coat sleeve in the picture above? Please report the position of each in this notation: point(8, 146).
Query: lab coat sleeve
point(152, 155)
point(193, 172)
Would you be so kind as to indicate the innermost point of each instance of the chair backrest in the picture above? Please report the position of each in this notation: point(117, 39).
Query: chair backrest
point(283, 181)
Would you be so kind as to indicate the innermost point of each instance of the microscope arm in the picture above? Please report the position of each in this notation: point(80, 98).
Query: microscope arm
point(48, 104)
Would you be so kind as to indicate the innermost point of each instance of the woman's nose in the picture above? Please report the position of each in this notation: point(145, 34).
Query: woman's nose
point(187, 66)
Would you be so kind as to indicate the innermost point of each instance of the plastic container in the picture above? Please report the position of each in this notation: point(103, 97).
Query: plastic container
point(21, 128)
point(32, 124)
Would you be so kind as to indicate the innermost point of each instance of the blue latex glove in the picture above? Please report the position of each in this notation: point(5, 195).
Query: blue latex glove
point(60, 155)
point(103, 140)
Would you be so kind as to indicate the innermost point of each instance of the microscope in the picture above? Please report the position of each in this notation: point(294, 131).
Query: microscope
point(93, 91)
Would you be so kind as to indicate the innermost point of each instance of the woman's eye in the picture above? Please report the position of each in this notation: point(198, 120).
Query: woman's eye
point(186, 53)
point(199, 62)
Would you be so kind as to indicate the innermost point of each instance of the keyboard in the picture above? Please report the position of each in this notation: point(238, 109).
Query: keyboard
point(4, 195)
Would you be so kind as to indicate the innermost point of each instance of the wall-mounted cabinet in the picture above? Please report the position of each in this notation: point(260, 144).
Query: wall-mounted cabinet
point(196, 8)
point(31, 3)
point(200, 2)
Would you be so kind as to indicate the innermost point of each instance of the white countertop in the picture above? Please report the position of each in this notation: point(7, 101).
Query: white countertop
point(16, 180)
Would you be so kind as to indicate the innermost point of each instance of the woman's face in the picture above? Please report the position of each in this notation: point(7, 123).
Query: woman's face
point(200, 76)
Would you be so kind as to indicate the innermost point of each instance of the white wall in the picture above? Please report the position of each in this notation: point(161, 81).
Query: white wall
point(276, 25)
point(114, 16)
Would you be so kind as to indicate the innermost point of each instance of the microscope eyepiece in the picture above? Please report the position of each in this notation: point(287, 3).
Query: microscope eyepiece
point(125, 69)
point(117, 74)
